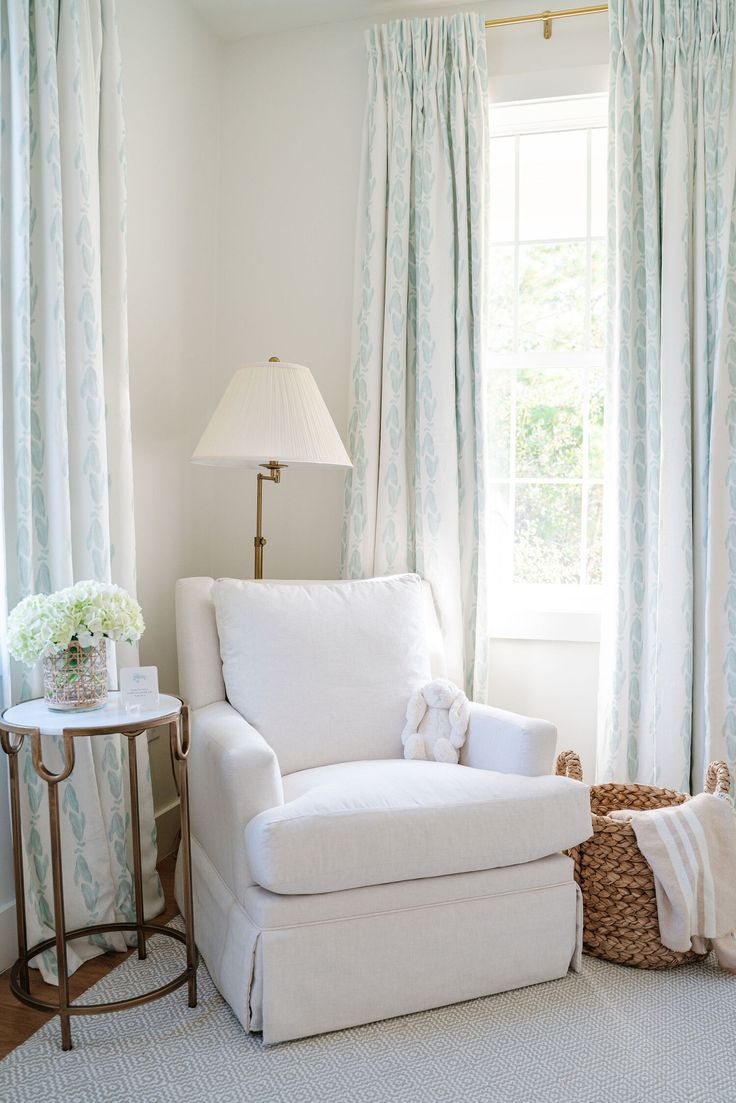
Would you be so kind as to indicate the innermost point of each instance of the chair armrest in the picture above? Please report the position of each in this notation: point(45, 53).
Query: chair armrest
point(233, 775)
point(509, 743)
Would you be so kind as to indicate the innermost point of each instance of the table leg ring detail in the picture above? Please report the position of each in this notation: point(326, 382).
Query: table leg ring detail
point(17, 971)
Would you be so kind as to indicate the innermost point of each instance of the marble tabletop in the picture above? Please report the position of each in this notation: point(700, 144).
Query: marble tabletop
point(112, 716)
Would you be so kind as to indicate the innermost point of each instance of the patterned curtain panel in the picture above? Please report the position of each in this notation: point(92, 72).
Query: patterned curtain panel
point(67, 468)
point(415, 496)
point(668, 663)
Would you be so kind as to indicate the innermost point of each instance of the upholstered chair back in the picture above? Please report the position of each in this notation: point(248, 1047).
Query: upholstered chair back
point(323, 670)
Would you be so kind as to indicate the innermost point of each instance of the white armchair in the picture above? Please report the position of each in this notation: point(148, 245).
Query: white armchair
point(335, 883)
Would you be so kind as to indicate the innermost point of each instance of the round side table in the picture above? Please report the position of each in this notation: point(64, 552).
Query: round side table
point(34, 720)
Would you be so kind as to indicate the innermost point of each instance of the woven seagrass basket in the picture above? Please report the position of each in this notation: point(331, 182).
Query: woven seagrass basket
point(619, 904)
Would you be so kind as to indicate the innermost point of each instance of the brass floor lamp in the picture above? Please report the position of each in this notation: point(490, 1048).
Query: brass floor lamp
point(271, 409)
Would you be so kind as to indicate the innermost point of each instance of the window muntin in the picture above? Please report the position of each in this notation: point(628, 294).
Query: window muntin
point(546, 353)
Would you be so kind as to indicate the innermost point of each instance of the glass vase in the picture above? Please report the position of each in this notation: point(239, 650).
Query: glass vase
point(76, 679)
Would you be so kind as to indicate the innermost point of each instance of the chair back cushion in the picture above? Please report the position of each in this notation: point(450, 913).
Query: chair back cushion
point(324, 670)
point(197, 643)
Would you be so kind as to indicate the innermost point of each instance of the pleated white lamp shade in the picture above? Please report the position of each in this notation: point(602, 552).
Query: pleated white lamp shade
point(272, 411)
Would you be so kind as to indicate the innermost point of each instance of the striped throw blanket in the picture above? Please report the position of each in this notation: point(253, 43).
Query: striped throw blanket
point(691, 849)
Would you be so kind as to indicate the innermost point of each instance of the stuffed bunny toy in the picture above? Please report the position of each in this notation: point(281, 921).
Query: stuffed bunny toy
point(437, 719)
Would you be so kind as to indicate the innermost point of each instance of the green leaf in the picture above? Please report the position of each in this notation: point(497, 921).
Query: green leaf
point(43, 911)
point(70, 799)
point(124, 901)
point(35, 797)
point(41, 866)
point(78, 822)
point(82, 871)
point(109, 757)
point(34, 841)
point(91, 894)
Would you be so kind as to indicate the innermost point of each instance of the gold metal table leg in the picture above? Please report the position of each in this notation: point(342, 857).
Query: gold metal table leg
point(136, 826)
point(61, 963)
point(179, 736)
point(11, 749)
point(52, 781)
point(11, 740)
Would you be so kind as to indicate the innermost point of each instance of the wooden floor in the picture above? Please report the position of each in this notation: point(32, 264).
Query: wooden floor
point(18, 1022)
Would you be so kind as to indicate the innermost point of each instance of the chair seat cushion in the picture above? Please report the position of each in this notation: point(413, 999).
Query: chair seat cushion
point(371, 823)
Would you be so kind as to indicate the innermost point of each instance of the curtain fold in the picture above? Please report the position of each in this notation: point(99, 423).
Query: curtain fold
point(668, 656)
point(415, 496)
point(67, 465)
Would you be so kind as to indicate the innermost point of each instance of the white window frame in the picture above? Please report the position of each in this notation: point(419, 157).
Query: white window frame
point(564, 612)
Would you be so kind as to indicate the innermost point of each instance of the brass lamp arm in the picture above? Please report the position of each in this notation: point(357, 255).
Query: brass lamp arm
point(259, 540)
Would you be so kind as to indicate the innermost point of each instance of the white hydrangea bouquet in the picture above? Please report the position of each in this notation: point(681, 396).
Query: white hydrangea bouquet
point(68, 630)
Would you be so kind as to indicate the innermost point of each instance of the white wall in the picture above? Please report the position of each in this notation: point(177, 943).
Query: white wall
point(292, 114)
point(243, 170)
point(292, 117)
point(172, 107)
point(292, 108)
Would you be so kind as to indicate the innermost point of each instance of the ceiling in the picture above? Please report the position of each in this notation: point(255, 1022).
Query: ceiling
point(236, 18)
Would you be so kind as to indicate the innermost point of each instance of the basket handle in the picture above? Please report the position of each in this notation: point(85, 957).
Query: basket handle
point(718, 779)
point(568, 765)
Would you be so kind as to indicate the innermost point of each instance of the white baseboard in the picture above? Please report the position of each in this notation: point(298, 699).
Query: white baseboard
point(167, 828)
point(8, 935)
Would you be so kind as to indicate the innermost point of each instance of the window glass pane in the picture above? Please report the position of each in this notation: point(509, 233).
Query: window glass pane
point(598, 304)
point(501, 298)
point(594, 571)
point(502, 192)
point(553, 185)
point(595, 423)
point(499, 432)
point(552, 287)
point(547, 330)
point(547, 534)
point(549, 425)
point(598, 182)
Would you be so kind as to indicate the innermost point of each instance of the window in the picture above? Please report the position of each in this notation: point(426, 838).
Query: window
point(546, 333)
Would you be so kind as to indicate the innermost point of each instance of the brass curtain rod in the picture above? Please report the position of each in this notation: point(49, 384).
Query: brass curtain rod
point(546, 17)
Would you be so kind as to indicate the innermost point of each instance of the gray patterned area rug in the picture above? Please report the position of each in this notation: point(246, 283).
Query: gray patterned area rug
point(609, 1033)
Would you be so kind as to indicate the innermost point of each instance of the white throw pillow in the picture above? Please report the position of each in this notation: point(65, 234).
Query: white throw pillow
point(323, 670)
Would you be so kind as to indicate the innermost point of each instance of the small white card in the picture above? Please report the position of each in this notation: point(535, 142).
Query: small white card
point(139, 687)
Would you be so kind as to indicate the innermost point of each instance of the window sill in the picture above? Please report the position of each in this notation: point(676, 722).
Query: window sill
point(532, 624)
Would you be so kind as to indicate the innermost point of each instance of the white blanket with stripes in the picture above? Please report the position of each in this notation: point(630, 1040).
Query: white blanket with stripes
point(691, 849)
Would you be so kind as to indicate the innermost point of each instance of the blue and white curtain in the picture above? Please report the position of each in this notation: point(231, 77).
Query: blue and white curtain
point(668, 662)
point(66, 455)
point(415, 495)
